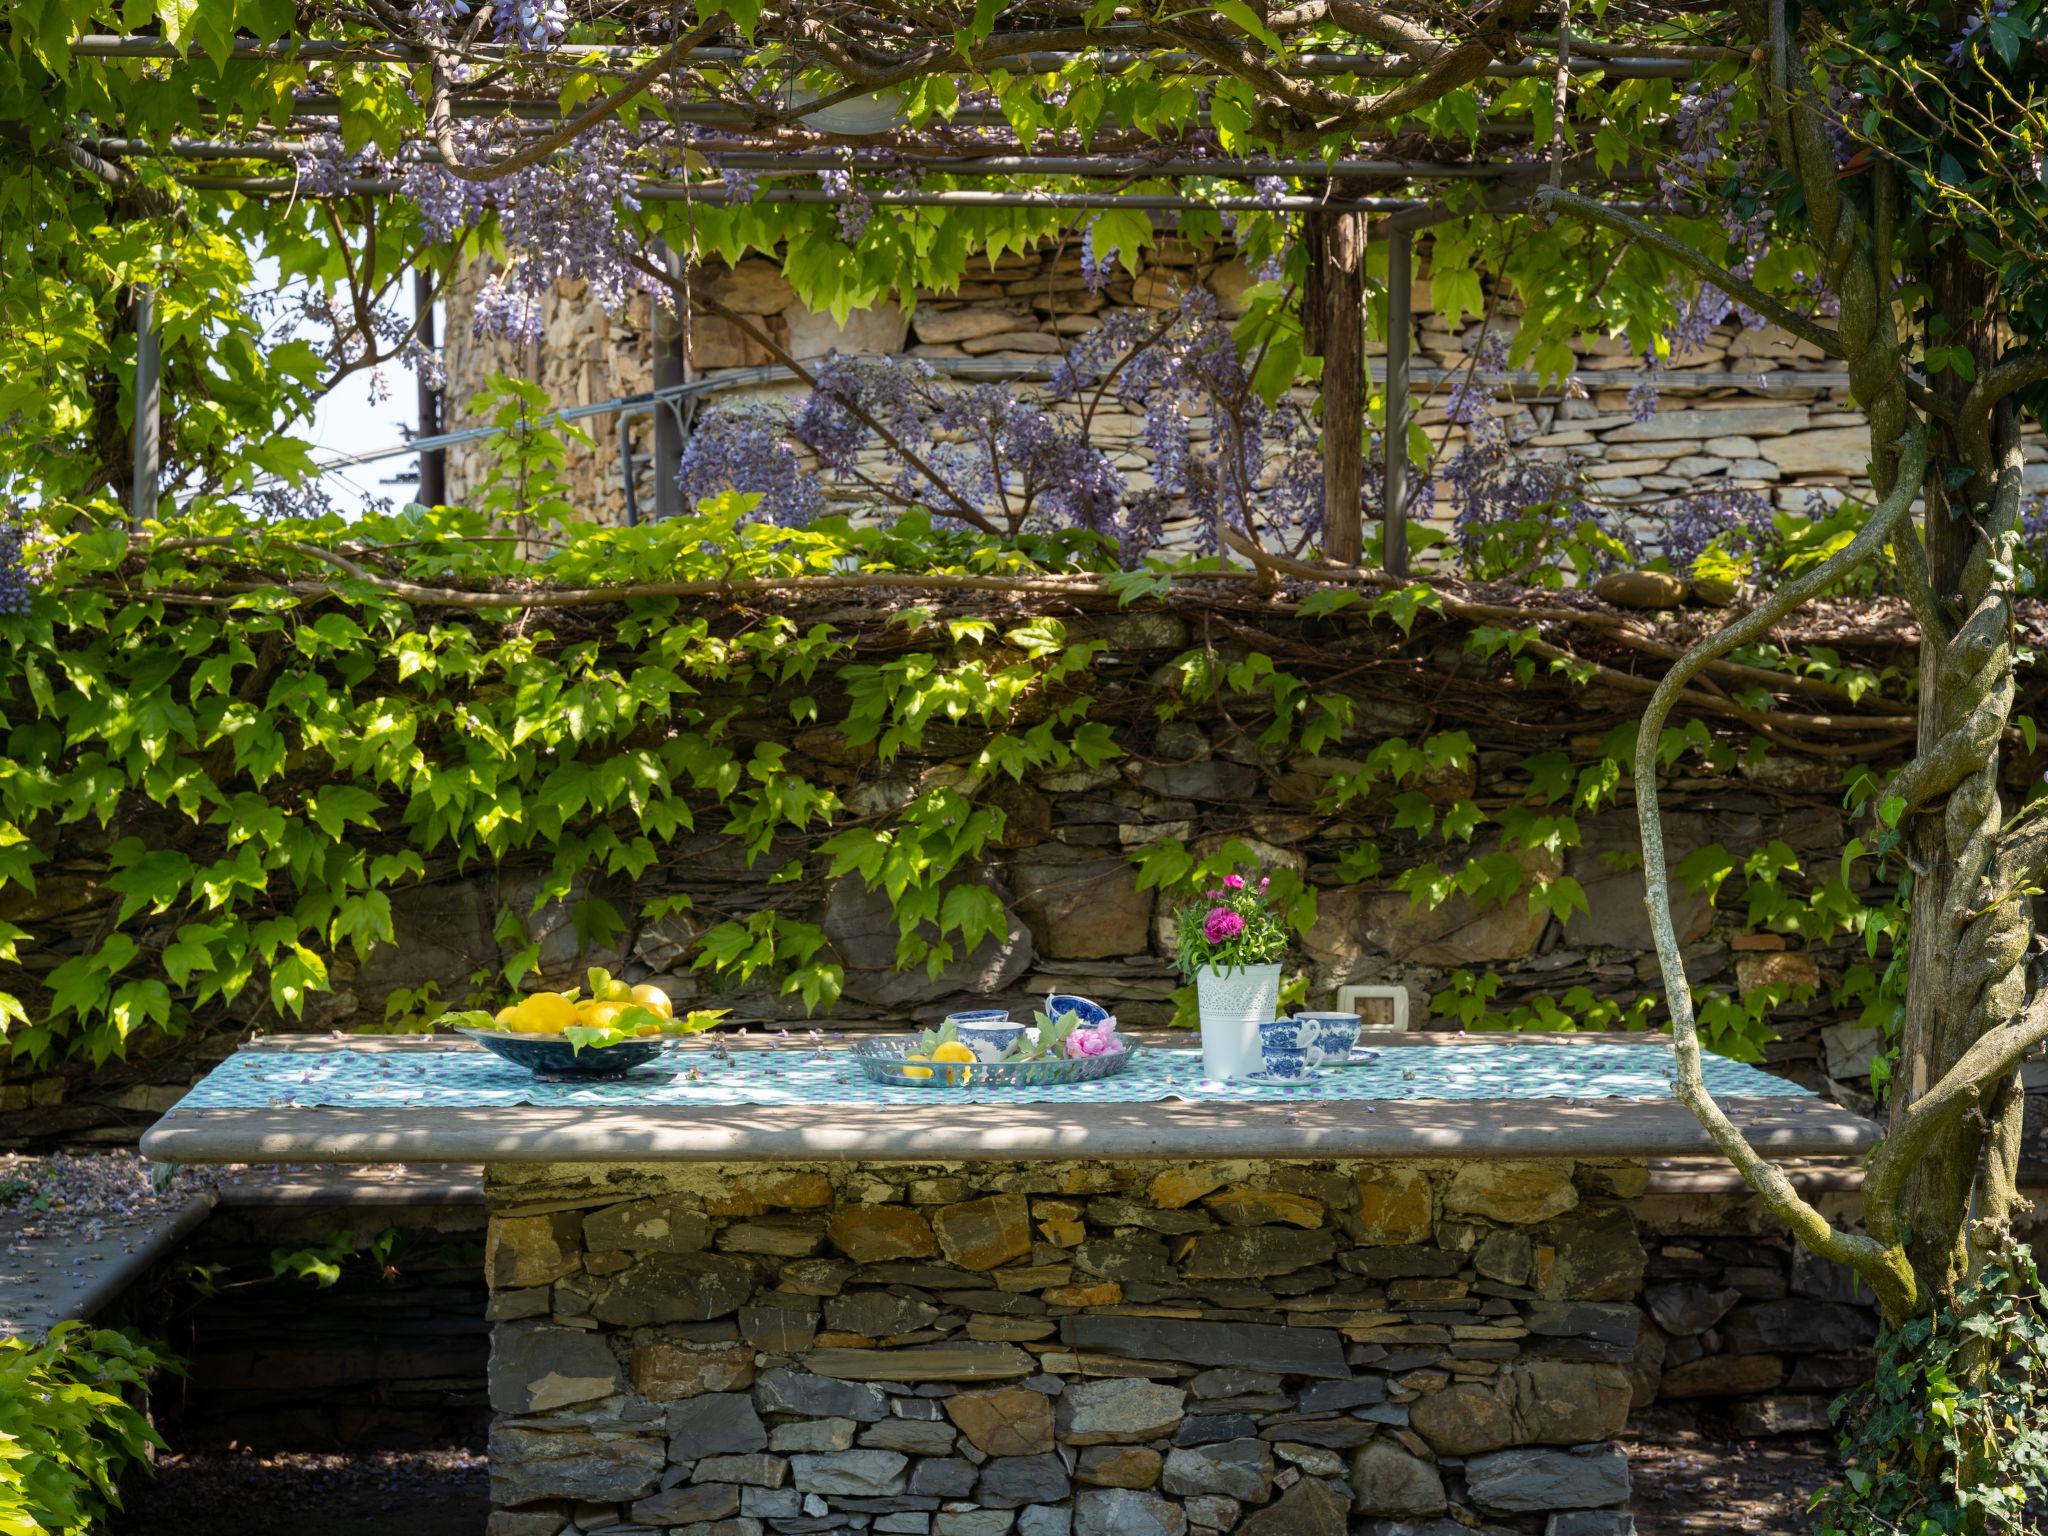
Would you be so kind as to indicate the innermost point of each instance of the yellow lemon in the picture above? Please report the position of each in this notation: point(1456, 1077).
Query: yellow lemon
point(917, 1072)
point(544, 1013)
point(601, 1014)
point(952, 1051)
point(654, 1000)
point(507, 1017)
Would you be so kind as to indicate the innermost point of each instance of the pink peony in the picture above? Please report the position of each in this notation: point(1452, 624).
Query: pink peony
point(1099, 1041)
point(1222, 924)
point(1234, 882)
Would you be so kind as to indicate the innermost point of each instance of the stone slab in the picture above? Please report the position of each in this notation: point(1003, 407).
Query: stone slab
point(1409, 1129)
point(1254, 1346)
point(51, 1280)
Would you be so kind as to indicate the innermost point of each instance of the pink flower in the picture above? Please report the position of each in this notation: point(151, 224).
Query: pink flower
point(1234, 882)
point(1099, 1041)
point(1221, 924)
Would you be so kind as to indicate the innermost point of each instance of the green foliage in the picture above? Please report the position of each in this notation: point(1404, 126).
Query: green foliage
point(265, 745)
point(1951, 1437)
point(69, 1428)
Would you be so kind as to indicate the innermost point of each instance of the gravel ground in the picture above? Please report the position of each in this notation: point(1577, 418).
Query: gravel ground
point(1689, 1482)
point(374, 1493)
point(73, 1194)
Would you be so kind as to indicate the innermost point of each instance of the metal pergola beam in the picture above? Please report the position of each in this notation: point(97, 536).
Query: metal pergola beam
point(718, 195)
point(806, 162)
point(1390, 66)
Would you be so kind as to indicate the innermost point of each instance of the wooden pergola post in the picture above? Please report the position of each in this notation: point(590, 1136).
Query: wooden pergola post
point(1334, 324)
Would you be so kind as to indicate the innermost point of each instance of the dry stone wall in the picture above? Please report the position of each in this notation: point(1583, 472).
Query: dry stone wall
point(1066, 1349)
point(1720, 425)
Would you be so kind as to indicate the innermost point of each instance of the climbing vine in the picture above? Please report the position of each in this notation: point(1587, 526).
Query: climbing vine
point(240, 742)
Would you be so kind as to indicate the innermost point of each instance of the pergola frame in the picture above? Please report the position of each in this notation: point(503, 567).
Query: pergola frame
point(695, 78)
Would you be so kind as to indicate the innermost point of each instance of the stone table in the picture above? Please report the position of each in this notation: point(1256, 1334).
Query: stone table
point(1162, 1318)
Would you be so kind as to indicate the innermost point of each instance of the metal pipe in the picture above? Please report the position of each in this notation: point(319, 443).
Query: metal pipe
point(996, 369)
point(1394, 489)
point(670, 370)
point(147, 427)
point(1117, 166)
point(1041, 61)
point(717, 195)
point(433, 486)
point(626, 469)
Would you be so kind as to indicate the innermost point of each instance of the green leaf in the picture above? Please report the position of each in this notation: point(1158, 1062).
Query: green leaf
point(1250, 21)
point(338, 806)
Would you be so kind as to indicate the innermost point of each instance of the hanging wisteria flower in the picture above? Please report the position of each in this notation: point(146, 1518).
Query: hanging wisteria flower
point(1097, 262)
point(17, 575)
point(534, 25)
point(746, 449)
point(1733, 520)
point(849, 203)
point(1642, 400)
point(740, 186)
point(560, 219)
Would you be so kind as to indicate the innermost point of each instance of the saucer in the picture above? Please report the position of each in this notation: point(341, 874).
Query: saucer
point(1268, 1080)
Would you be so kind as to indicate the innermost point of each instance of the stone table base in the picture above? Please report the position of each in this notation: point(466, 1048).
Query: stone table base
point(1297, 1348)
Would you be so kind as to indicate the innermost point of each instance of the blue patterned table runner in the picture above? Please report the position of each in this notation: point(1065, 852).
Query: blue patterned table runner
point(461, 1077)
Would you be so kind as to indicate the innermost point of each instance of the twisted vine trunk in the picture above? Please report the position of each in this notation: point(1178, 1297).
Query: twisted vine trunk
point(1970, 938)
point(1942, 1188)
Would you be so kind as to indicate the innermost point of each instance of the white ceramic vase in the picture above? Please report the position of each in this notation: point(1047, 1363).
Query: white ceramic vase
point(1233, 1004)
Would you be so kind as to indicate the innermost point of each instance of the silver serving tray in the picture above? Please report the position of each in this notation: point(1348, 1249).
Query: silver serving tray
point(883, 1062)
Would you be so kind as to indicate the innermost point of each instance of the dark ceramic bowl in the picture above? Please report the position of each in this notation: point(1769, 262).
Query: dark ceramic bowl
point(552, 1056)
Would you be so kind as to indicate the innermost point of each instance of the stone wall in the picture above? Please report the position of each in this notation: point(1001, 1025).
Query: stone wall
point(1718, 426)
point(1062, 1349)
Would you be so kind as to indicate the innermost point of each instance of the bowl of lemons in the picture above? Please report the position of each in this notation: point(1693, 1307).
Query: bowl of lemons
point(604, 1031)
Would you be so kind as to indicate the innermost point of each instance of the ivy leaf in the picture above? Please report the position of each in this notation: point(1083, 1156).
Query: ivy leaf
point(975, 912)
point(292, 977)
point(334, 807)
point(154, 880)
point(1413, 813)
point(1560, 897)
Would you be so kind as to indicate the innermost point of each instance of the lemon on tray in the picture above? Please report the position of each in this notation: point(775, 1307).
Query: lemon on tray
point(954, 1051)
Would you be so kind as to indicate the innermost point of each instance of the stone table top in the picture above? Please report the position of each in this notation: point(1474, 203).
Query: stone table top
point(1785, 1124)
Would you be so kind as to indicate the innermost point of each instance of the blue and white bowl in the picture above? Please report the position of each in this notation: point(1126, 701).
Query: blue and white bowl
point(988, 1032)
point(1091, 1013)
point(1336, 1033)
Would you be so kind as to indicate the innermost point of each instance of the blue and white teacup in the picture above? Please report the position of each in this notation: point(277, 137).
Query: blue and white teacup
point(1090, 1012)
point(1289, 1049)
point(1336, 1033)
point(988, 1032)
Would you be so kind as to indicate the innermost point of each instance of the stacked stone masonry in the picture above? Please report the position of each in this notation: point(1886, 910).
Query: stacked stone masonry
point(1138, 1349)
point(1718, 426)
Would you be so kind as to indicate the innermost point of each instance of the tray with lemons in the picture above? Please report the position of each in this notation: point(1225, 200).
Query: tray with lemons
point(1062, 1049)
point(607, 1030)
